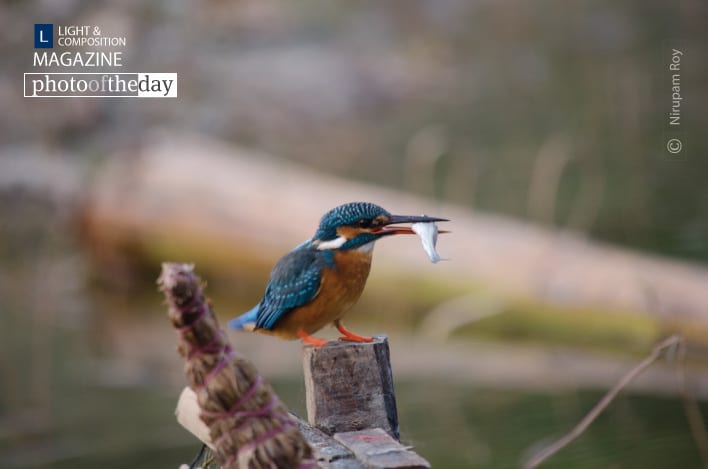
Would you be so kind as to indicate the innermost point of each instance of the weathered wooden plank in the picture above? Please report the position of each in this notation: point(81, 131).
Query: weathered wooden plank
point(376, 449)
point(350, 387)
point(330, 453)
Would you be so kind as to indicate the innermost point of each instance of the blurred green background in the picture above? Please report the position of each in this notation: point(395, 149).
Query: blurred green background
point(550, 113)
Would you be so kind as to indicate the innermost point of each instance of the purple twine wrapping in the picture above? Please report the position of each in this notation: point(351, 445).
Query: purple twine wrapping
point(196, 305)
point(226, 357)
point(196, 302)
point(248, 415)
point(213, 346)
point(261, 439)
point(233, 410)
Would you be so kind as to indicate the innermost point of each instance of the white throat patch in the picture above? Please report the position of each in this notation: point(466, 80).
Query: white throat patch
point(335, 243)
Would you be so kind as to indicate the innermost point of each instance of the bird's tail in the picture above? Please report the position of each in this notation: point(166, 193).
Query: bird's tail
point(247, 321)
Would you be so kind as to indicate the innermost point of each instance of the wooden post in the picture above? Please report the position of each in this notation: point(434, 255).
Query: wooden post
point(349, 387)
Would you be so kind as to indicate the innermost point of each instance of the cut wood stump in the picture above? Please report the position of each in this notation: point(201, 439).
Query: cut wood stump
point(349, 387)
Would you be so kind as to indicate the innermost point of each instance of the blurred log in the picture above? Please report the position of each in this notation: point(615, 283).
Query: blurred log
point(233, 207)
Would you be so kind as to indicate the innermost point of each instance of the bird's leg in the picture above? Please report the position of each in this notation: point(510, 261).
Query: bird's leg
point(349, 335)
point(307, 339)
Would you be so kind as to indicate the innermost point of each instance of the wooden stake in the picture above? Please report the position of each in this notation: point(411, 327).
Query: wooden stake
point(349, 387)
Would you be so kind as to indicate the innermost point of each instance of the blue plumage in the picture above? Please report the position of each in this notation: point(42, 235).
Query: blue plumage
point(294, 281)
point(249, 317)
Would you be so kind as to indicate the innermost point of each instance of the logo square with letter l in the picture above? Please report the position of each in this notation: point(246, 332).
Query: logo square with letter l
point(43, 36)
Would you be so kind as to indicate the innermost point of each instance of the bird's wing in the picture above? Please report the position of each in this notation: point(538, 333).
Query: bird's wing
point(294, 281)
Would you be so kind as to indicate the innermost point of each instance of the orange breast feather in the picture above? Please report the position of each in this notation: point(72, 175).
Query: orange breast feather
point(339, 289)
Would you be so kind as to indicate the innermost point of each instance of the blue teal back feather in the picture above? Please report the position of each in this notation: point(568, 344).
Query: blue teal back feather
point(249, 317)
point(294, 282)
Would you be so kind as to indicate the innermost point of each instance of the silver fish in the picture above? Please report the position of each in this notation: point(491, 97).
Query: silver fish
point(428, 233)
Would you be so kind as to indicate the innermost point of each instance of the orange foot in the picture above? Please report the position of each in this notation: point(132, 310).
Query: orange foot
point(349, 335)
point(307, 339)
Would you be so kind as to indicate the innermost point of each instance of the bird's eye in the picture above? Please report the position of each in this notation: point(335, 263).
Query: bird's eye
point(364, 223)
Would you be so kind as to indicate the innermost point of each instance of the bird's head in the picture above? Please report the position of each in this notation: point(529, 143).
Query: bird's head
point(357, 224)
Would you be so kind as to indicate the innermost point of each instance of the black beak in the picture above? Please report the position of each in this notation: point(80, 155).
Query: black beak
point(387, 229)
point(413, 219)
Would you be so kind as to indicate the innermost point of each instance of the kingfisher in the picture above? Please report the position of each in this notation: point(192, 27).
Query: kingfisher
point(317, 282)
